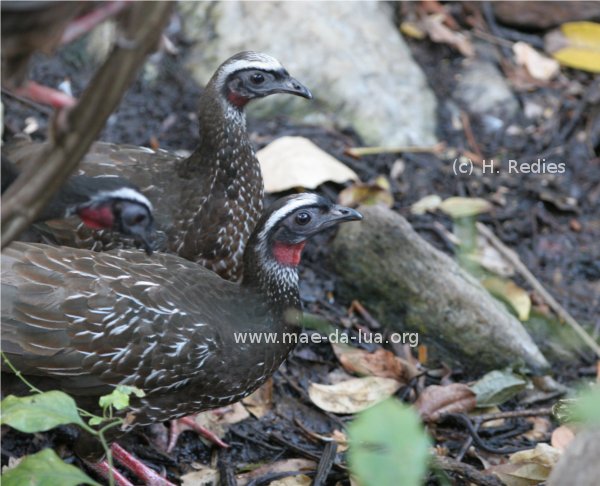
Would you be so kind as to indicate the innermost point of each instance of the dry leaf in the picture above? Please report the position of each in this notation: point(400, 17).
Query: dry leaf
point(427, 203)
point(287, 465)
point(438, 32)
point(411, 29)
point(369, 194)
point(204, 477)
point(436, 401)
point(261, 401)
point(353, 395)
point(539, 66)
point(576, 45)
point(291, 162)
point(460, 207)
point(510, 292)
point(541, 426)
point(299, 480)
point(528, 467)
point(491, 259)
point(562, 437)
point(496, 387)
point(381, 363)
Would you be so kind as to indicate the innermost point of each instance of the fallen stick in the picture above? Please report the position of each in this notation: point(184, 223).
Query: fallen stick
point(360, 151)
point(514, 259)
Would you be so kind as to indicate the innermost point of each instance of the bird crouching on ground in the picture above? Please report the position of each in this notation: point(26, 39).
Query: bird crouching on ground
point(101, 203)
point(168, 326)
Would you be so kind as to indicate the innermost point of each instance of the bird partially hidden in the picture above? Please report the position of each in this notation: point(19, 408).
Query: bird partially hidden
point(101, 203)
point(208, 203)
point(84, 322)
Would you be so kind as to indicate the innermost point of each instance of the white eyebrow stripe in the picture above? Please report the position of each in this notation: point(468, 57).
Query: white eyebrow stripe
point(253, 60)
point(123, 193)
point(306, 199)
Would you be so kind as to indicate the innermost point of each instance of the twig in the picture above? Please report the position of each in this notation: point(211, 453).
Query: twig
point(324, 467)
point(535, 412)
point(466, 471)
point(360, 151)
point(78, 128)
point(514, 259)
point(32, 104)
point(466, 123)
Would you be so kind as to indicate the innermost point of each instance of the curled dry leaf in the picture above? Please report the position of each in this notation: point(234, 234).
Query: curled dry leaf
point(528, 467)
point(539, 66)
point(292, 162)
point(369, 194)
point(436, 401)
point(287, 465)
point(562, 437)
point(261, 401)
point(353, 395)
point(461, 207)
point(438, 32)
point(381, 363)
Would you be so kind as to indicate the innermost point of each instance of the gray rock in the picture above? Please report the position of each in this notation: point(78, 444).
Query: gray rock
point(579, 463)
point(482, 89)
point(411, 286)
point(350, 54)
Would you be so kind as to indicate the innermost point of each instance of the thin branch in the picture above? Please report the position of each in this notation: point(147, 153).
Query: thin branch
point(466, 471)
point(361, 151)
point(76, 129)
point(514, 259)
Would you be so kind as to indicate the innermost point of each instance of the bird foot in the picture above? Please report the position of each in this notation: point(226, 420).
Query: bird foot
point(128, 461)
point(189, 423)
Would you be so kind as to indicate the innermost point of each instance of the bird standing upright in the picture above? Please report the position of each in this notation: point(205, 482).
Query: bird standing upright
point(207, 204)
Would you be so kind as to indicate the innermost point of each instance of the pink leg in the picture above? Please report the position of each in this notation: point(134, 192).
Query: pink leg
point(44, 95)
point(146, 474)
point(188, 423)
point(87, 22)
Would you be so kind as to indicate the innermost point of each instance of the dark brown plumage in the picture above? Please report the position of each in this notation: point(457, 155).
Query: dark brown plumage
point(84, 322)
point(208, 204)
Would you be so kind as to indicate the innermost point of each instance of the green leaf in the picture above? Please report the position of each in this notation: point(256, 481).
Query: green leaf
point(586, 408)
point(119, 397)
point(497, 387)
point(45, 469)
point(39, 412)
point(388, 442)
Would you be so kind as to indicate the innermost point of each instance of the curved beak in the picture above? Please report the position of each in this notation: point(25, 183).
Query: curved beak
point(294, 87)
point(341, 213)
point(144, 237)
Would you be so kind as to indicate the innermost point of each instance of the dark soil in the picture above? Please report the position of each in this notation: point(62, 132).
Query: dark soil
point(553, 222)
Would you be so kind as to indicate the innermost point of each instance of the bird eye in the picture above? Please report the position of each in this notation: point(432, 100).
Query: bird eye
point(303, 218)
point(257, 78)
point(139, 219)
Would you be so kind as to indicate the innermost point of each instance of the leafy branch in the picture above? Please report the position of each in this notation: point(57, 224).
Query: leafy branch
point(43, 411)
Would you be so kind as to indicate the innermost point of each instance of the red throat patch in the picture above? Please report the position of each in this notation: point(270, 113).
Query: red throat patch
point(97, 218)
point(288, 254)
point(237, 100)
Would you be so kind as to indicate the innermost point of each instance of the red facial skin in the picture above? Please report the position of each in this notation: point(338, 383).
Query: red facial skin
point(288, 254)
point(97, 217)
point(237, 100)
